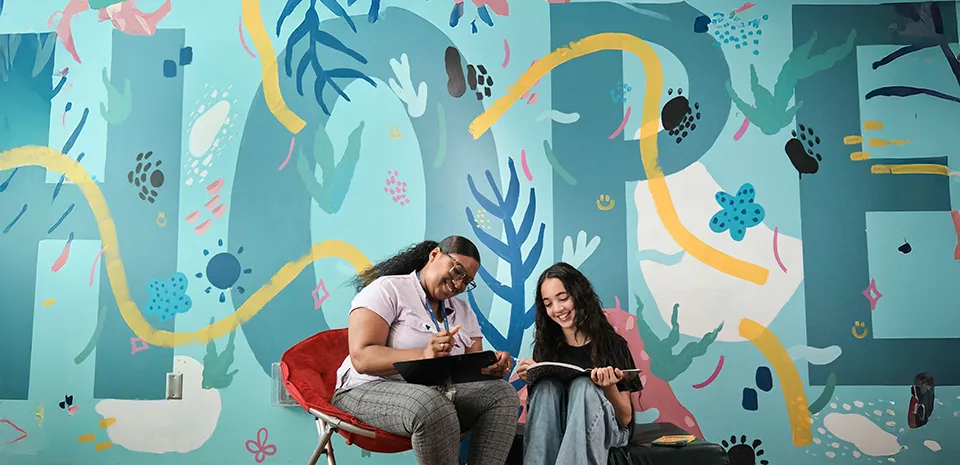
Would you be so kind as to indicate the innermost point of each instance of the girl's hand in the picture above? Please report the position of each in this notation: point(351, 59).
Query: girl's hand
point(501, 367)
point(605, 377)
point(522, 366)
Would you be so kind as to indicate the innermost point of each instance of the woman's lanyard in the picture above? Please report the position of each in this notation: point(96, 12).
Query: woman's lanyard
point(426, 306)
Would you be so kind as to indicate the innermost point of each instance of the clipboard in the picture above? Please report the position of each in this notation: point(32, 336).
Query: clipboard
point(452, 369)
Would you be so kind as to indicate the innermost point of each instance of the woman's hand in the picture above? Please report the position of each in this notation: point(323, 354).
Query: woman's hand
point(605, 377)
point(502, 366)
point(522, 366)
point(441, 344)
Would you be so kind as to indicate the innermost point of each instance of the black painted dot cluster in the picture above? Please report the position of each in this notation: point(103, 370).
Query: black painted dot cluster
point(677, 117)
point(479, 81)
point(144, 171)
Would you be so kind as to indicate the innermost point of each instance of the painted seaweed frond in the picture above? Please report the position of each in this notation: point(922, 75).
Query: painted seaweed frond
point(309, 29)
point(924, 24)
point(499, 7)
point(504, 207)
point(663, 362)
point(336, 177)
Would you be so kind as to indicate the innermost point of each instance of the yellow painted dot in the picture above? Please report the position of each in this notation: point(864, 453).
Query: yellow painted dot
point(48, 302)
point(87, 438)
point(102, 446)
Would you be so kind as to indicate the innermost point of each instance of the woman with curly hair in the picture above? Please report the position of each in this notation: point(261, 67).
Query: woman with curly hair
point(407, 309)
point(576, 422)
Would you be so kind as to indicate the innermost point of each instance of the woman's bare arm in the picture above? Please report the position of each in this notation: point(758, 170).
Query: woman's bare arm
point(369, 353)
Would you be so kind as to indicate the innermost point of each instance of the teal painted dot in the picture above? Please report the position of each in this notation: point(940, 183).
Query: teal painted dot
point(756, 52)
point(765, 17)
point(738, 46)
point(751, 33)
point(726, 41)
point(743, 36)
point(759, 32)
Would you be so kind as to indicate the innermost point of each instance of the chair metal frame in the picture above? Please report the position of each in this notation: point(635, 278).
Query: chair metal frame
point(327, 425)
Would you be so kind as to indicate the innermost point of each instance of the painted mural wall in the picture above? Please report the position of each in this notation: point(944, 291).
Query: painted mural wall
point(761, 194)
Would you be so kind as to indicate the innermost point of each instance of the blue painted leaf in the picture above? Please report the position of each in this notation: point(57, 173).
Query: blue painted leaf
point(485, 15)
point(485, 203)
point(501, 290)
point(287, 10)
point(351, 2)
point(347, 73)
point(526, 225)
point(318, 86)
point(489, 331)
point(473, 26)
point(534, 256)
point(305, 61)
point(724, 199)
point(513, 189)
point(374, 14)
point(497, 194)
point(720, 221)
point(328, 40)
point(335, 8)
point(456, 14)
point(299, 33)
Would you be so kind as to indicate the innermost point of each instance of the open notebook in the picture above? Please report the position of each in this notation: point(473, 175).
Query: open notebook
point(563, 371)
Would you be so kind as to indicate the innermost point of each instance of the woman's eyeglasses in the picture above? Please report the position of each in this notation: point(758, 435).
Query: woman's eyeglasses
point(458, 273)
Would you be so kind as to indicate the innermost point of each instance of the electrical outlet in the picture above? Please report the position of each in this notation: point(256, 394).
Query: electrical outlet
point(279, 396)
point(174, 386)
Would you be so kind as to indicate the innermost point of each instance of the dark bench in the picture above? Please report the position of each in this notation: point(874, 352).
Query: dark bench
point(641, 452)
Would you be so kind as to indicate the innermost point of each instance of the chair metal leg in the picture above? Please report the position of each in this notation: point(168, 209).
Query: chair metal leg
point(324, 444)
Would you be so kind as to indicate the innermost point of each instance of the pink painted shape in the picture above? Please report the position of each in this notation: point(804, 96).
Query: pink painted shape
point(73, 409)
point(743, 129)
point(243, 41)
point(716, 372)
point(293, 141)
point(212, 203)
point(137, 345)
point(23, 433)
point(64, 32)
point(193, 216)
point(746, 6)
point(129, 19)
point(214, 186)
point(956, 227)
point(523, 164)
point(317, 300)
point(218, 212)
point(776, 250)
point(533, 99)
point(62, 259)
point(506, 53)
point(500, 7)
point(868, 293)
point(203, 227)
point(623, 124)
point(93, 268)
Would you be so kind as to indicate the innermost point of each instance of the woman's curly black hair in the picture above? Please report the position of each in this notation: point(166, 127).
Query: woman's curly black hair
point(414, 258)
point(607, 347)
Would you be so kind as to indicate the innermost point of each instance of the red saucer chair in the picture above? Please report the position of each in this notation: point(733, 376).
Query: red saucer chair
point(309, 371)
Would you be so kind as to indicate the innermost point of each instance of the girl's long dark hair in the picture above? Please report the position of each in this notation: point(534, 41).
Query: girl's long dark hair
point(607, 347)
point(414, 258)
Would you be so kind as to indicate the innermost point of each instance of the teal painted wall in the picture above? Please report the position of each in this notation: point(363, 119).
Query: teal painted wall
point(231, 195)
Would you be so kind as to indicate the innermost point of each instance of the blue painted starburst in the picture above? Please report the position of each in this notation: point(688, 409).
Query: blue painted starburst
point(737, 213)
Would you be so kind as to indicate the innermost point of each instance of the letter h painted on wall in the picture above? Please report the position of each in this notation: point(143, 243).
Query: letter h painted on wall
point(834, 203)
point(148, 251)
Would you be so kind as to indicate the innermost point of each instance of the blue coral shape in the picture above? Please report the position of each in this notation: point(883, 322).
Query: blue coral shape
point(168, 297)
point(737, 212)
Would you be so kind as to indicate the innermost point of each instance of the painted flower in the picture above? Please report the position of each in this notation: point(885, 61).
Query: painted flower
point(738, 213)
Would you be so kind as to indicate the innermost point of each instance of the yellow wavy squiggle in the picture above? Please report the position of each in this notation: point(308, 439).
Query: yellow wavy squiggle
point(55, 161)
point(648, 140)
point(253, 22)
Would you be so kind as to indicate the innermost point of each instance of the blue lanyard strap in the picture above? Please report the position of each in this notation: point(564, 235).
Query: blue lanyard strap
point(426, 306)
